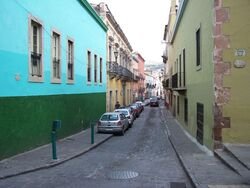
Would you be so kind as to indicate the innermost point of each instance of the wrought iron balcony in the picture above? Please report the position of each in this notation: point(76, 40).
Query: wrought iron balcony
point(165, 84)
point(179, 82)
point(36, 67)
point(119, 72)
point(126, 75)
point(112, 69)
point(136, 77)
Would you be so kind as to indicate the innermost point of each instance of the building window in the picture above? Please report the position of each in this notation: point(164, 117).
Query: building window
point(180, 72)
point(184, 67)
point(200, 122)
point(100, 70)
point(116, 95)
point(198, 48)
point(89, 67)
point(35, 51)
point(186, 110)
point(178, 105)
point(70, 61)
point(95, 68)
point(56, 63)
point(110, 53)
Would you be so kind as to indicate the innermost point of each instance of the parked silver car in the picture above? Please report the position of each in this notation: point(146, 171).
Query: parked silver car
point(127, 112)
point(113, 122)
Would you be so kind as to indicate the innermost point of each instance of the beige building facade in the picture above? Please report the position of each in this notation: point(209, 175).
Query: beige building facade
point(119, 61)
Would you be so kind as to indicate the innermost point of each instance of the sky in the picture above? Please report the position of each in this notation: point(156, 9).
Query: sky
point(143, 24)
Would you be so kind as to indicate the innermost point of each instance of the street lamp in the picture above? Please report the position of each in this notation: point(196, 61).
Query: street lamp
point(116, 55)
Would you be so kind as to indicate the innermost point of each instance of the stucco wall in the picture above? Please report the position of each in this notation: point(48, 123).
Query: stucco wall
point(27, 109)
point(26, 122)
point(70, 19)
point(237, 29)
point(199, 80)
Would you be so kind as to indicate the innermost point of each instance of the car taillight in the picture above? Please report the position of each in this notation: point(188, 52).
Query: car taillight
point(119, 123)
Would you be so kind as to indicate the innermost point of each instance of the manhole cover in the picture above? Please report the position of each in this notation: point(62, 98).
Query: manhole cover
point(122, 175)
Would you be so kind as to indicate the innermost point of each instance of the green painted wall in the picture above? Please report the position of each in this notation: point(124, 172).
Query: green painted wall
point(26, 122)
point(238, 107)
point(199, 81)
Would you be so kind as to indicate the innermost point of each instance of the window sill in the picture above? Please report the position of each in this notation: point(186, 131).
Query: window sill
point(35, 79)
point(198, 68)
point(70, 82)
point(56, 81)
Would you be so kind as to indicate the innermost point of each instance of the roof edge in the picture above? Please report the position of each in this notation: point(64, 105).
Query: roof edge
point(93, 14)
point(179, 16)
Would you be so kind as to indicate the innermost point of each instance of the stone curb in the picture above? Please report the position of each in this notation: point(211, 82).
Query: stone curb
point(189, 174)
point(226, 163)
point(236, 157)
point(57, 162)
point(180, 158)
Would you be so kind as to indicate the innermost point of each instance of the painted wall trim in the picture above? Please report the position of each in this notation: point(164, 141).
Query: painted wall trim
point(179, 16)
point(94, 14)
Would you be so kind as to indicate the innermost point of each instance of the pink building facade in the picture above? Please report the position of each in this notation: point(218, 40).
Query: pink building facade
point(139, 86)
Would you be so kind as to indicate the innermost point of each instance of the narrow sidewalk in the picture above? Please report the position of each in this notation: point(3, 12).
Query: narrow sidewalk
point(41, 158)
point(202, 167)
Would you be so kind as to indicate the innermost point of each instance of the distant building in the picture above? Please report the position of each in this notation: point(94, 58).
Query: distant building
point(207, 76)
point(53, 59)
point(150, 84)
point(140, 90)
point(135, 84)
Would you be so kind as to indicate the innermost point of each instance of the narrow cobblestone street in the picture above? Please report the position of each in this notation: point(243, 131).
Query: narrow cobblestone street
point(143, 157)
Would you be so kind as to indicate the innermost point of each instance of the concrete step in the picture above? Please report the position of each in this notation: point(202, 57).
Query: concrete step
point(233, 163)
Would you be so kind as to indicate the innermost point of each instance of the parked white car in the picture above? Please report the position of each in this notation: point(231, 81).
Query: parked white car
point(128, 115)
point(113, 122)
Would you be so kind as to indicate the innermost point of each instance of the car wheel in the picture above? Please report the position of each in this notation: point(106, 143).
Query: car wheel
point(122, 132)
point(130, 125)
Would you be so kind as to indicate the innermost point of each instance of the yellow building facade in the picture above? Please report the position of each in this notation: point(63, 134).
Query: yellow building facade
point(207, 69)
point(232, 39)
point(119, 62)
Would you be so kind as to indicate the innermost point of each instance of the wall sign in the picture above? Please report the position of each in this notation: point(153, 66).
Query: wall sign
point(240, 52)
point(239, 64)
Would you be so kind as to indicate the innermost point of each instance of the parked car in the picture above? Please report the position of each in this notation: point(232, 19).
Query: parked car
point(136, 110)
point(146, 102)
point(141, 106)
point(113, 122)
point(128, 113)
point(154, 102)
point(132, 110)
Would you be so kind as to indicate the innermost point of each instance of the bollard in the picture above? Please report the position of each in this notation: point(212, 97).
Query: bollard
point(53, 142)
point(56, 124)
point(92, 132)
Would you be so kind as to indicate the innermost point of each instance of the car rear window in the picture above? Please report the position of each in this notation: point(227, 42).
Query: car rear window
point(109, 117)
point(125, 112)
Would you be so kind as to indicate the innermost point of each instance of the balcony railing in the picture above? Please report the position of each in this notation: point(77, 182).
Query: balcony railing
point(136, 77)
point(179, 81)
point(165, 84)
point(36, 67)
point(56, 68)
point(112, 69)
point(119, 72)
point(175, 81)
point(126, 74)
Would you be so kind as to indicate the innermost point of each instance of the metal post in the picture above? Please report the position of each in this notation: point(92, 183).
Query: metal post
point(92, 133)
point(53, 141)
point(56, 124)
